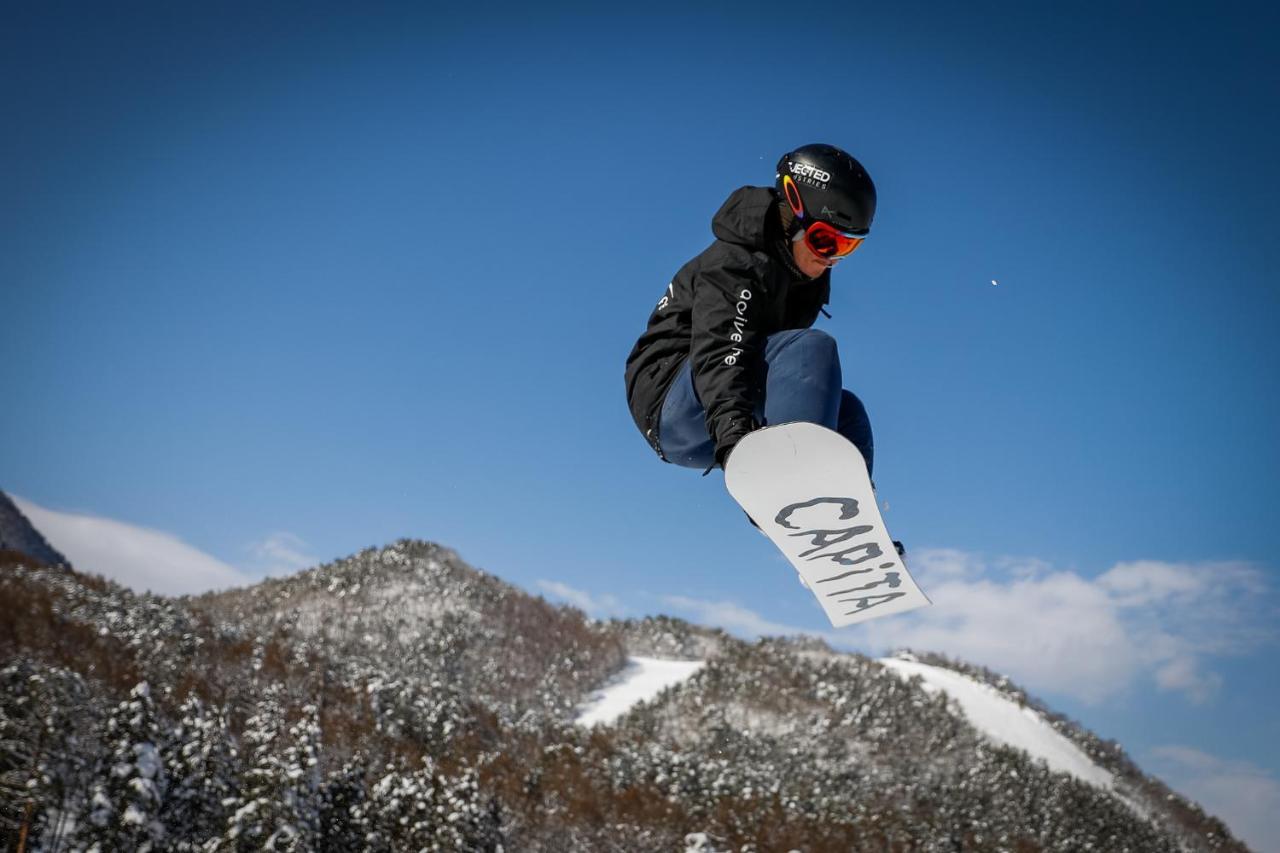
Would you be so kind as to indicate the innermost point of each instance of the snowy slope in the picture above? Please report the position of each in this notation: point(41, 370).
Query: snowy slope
point(990, 711)
point(642, 680)
point(1003, 720)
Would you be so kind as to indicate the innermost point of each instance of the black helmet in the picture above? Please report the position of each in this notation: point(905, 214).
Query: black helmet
point(824, 184)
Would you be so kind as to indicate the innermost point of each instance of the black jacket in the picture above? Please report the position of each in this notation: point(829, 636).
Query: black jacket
point(718, 311)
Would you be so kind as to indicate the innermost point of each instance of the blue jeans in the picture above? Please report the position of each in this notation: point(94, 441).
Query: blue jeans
point(802, 383)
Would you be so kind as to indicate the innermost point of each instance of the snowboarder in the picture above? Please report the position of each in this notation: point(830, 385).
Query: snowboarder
point(729, 347)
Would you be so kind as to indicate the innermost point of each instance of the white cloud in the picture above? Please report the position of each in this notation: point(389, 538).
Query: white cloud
point(281, 553)
point(1245, 796)
point(1184, 673)
point(1147, 582)
point(1088, 638)
point(731, 617)
point(596, 606)
point(136, 557)
point(1057, 631)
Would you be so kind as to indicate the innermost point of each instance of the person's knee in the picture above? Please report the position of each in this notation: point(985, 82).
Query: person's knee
point(813, 346)
point(817, 339)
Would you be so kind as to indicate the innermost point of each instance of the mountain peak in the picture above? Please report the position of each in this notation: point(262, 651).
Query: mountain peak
point(19, 536)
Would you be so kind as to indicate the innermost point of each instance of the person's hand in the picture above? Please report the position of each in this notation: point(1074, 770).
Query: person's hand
point(723, 451)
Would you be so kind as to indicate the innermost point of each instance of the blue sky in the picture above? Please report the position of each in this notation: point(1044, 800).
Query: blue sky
point(308, 279)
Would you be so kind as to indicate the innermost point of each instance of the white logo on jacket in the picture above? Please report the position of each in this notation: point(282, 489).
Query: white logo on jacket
point(739, 327)
point(667, 297)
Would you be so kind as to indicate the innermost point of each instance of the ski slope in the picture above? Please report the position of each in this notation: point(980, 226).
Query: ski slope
point(987, 709)
point(1005, 721)
point(642, 680)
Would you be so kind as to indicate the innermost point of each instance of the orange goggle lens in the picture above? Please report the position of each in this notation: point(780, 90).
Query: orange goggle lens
point(826, 241)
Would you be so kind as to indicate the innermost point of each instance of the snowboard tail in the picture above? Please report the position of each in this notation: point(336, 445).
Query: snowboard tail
point(807, 489)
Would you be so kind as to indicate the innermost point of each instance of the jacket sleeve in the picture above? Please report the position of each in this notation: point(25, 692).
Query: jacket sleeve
point(729, 307)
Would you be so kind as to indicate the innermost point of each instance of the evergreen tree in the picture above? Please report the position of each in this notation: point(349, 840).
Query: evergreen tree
point(422, 810)
point(302, 769)
point(278, 808)
point(49, 724)
point(200, 765)
point(344, 823)
point(21, 745)
point(129, 788)
point(42, 712)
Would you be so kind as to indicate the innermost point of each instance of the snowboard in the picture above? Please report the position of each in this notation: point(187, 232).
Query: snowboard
point(807, 489)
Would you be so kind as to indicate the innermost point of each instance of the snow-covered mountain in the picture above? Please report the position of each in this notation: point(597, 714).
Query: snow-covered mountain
point(400, 699)
point(20, 539)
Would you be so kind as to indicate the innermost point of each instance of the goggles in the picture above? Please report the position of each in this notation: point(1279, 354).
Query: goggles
point(822, 238)
point(826, 241)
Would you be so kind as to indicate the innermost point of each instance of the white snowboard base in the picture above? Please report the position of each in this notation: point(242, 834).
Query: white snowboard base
point(807, 488)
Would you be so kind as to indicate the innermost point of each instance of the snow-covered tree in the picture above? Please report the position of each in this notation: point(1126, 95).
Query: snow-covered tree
point(423, 810)
point(200, 765)
point(127, 795)
point(278, 807)
point(43, 712)
point(344, 821)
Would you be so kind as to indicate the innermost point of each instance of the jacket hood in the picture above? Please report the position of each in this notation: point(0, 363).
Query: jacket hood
point(749, 217)
point(745, 217)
